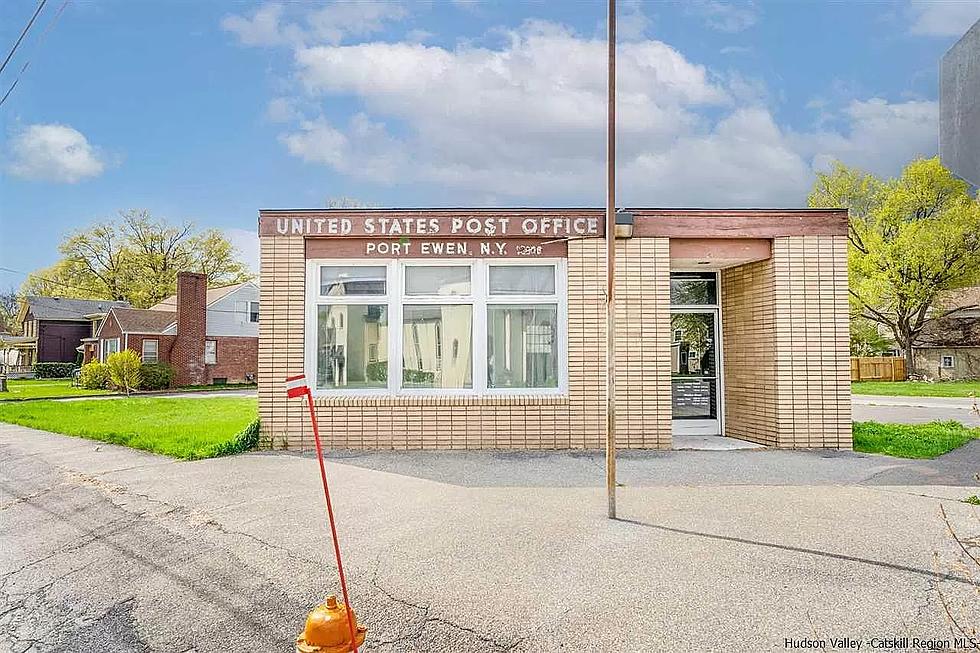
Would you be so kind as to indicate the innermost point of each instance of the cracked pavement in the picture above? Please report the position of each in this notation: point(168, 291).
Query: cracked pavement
point(107, 549)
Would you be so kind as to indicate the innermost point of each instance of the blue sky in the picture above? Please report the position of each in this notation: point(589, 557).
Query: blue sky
point(208, 111)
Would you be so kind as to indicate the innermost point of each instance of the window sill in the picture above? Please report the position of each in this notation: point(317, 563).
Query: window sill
point(435, 400)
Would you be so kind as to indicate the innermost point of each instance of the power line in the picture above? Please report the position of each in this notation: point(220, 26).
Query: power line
point(94, 291)
point(40, 6)
point(37, 45)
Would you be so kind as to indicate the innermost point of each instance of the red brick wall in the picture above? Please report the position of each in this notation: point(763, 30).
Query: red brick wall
point(110, 328)
point(236, 357)
point(187, 355)
point(134, 341)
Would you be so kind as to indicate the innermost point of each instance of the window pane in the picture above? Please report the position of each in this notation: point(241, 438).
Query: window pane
point(437, 346)
point(522, 346)
point(150, 351)
point(353, 280)
point(437, 280)
point(352, 346)
point(253, 314)
point(690, 288)
point(522, 280)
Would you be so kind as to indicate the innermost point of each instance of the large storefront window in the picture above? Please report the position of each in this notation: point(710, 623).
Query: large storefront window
point(522, 348)
point(455, 328)
point(352, 346)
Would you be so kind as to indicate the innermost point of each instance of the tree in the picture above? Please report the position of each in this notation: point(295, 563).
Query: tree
point(136, 258)
point(911, 239)
point(9, 307)
point(64, 279)
point(867, 338)
point(124, 370)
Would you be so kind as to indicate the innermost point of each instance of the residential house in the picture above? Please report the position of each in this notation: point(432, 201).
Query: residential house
point(54, 328)
point(207, 335)
point(949, 348)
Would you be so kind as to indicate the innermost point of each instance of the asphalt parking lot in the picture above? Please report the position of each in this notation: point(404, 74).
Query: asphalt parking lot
point(105, 548)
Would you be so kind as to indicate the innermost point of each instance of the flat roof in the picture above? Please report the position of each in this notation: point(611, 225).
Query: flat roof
point(649, 222)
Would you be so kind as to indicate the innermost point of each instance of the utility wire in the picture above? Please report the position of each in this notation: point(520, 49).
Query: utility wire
point(40, 6)
point(37, 45)
point(94, 291)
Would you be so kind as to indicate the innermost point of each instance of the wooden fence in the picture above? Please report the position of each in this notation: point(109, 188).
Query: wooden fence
point(882, 368)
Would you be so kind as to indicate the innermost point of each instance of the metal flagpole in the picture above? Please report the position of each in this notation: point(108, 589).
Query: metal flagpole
point(610, 269)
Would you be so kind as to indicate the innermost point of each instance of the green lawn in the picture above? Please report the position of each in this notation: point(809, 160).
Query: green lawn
point(911, 440)
point(44, 389)
point(179, 427)
point(917, 388)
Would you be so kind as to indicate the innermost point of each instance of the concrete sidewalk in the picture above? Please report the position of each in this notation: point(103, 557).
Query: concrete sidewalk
point(104, 548)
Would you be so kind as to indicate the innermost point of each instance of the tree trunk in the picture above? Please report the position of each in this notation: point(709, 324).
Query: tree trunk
point(905, 341)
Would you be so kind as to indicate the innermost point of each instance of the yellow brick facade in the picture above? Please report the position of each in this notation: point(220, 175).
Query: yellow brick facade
point(785, 338)
point(786, 367)
point(575, 421)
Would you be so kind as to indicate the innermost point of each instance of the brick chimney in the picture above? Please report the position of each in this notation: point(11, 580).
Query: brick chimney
point(188, 352)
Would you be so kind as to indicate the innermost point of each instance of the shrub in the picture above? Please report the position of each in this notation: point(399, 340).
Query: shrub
point(124, 370)
point(94, 376)
point(247, 438)
point(377, 371)
point(156, 376)
point(53, 370)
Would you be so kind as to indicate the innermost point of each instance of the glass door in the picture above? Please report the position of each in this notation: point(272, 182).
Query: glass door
point(694, 355)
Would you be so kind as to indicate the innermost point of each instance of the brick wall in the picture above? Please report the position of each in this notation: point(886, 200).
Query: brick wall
point(187, 356)
point(110, 329)
point(812, 357)
point(575, 421)
point(786, 359)
point(237, 356)
point(785, 329)
point(643, 340)
point(165, 345)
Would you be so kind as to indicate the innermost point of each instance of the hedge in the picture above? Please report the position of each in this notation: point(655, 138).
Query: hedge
point(156, 376)
point(53, 370)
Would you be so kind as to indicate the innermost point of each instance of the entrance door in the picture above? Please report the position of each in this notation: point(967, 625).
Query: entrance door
point(695, 355)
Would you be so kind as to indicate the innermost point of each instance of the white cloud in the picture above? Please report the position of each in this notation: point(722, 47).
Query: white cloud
point(632, 22)
point(725, 16)
point(269, 26)
point(736, 49)
point(53, 152)
point(525, 121)
point(943, 17)
point(263, 27)
point(881, 136)
point(341, 19)
point(247, 244)
point(282, 109)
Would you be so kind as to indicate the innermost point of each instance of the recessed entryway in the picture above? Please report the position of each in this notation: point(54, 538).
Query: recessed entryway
point(695, 356)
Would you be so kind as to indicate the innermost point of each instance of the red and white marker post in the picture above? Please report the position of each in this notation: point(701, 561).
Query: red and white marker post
point(296, 387)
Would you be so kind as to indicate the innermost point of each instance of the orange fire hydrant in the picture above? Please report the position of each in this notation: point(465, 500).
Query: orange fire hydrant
point(328, 631)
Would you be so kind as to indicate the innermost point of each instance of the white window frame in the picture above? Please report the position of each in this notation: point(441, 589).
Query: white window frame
point(942, 361)
point(395, 299)
point(103, 349)
point(248, 317)
point(156, 351)
point(214, 361)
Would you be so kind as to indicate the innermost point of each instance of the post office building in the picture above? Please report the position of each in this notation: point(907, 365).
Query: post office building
point(485, 328)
